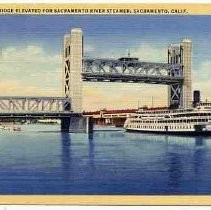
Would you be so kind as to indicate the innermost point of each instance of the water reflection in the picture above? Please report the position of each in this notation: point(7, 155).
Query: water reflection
point(66, 154)
point(173, 157)
point(184, 141)
point(91, 153)
point(103, 163)
point(177, 161)
point(90, 136)
point(106, 134)
point(199, 141)
point(175, 171)
point(198, 156)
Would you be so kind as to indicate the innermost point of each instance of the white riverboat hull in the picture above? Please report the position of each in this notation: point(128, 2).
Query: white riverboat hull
point(186, 133)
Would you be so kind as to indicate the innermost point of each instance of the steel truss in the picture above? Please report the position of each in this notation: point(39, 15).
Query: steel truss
point(131, 71)
point(67, 78)
point(175, 95)
point(34, 104)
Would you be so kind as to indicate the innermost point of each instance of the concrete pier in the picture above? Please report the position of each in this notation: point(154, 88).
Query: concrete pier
point(78, 124)
point(65, 124)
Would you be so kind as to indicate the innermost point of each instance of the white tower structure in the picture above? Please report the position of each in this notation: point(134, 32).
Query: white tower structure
point(186, 47)
point(72, 64)
point(181, 94)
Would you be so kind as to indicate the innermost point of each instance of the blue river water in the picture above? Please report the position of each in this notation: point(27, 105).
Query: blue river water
point(41, 160)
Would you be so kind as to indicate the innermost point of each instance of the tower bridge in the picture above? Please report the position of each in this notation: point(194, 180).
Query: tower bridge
point(176, 73)
point(76, 68)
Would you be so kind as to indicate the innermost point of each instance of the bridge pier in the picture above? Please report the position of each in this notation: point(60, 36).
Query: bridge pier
point(65, 124)
point(78, 124)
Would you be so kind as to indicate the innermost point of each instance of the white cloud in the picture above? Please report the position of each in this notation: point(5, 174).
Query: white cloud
point(34, 71)
point(150, 53)
point(204, 71)
point(30, 53)
point(88, 48)
point(144, 51)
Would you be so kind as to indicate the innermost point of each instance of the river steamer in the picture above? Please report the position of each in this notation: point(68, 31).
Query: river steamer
point(195, 121)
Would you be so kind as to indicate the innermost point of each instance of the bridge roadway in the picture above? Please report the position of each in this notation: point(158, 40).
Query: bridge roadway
point(131, 70)
point(99, 77)
point(40, 115)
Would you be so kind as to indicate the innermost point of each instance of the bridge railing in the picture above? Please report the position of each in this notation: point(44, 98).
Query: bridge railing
point(34, 104)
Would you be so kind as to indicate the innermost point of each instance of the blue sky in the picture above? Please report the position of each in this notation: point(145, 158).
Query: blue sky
point(31, 49)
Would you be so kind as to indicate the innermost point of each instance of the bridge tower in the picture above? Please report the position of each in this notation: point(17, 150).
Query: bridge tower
point(72, 82)
point(181, 95)
point(72, 68)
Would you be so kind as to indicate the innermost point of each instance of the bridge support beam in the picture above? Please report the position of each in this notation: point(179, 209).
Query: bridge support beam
point(77, 124)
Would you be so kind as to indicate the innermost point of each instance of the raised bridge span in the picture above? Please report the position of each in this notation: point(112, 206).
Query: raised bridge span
point(129, 69)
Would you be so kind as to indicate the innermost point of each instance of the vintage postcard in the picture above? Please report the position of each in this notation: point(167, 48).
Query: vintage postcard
point(105, 104)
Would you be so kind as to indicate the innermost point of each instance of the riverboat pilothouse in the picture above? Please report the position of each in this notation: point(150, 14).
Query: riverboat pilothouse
point(196, 120)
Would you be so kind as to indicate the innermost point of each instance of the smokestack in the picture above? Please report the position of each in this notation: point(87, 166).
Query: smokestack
point(196, 97)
